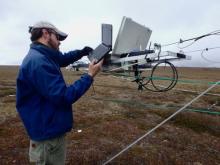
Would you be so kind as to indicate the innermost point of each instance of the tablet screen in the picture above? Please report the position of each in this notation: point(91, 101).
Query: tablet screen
point(99, 52)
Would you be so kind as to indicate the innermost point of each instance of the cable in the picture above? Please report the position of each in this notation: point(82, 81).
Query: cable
point(174, 43)
point(190, 44)
point(137, 103)
point(202, 53)
point(174, 79)
point(216, 62)
point(199, 50)
point(216, 32)
point(160, 124)
point(151, 79)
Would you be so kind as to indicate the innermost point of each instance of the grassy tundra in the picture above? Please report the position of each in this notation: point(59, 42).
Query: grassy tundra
point(113, 114)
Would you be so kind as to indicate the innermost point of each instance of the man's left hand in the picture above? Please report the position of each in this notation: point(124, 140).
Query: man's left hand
point(86, 50)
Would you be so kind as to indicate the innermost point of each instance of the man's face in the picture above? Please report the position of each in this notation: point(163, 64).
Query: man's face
point(53, 40)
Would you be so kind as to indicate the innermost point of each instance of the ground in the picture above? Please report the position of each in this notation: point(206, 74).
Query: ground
point(113, 114)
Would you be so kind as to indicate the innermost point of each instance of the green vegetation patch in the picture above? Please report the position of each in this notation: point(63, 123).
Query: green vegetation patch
point(197, 122)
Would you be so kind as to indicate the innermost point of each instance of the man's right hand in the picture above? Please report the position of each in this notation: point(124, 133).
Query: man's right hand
point(94, 68)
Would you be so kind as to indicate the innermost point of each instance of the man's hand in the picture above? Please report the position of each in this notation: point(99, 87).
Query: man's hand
point(86, 50)
point(94, 68)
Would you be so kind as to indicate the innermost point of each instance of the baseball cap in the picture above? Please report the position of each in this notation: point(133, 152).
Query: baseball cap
point(48, 25)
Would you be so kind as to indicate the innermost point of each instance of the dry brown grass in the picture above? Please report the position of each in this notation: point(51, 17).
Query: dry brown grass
point(115, 114)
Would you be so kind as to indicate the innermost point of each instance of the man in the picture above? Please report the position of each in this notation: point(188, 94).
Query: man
point(43, 100)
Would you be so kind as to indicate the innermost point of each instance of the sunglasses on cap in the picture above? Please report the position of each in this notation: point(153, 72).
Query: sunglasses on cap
point(50, 31)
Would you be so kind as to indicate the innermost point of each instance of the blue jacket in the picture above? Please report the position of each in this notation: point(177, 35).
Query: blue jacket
point(43, 100)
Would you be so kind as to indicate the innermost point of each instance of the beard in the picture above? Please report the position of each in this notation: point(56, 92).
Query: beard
point(53, 44)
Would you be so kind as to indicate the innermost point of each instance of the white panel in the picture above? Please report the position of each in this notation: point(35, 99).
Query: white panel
point(131, 37)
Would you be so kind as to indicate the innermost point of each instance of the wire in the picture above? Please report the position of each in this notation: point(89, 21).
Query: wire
point(216, 32)
point(160, 124)
point(151, 79)
point(199, 50)
point(174, 43)
point(186, 45)
point(202, 55)
point(93, 88)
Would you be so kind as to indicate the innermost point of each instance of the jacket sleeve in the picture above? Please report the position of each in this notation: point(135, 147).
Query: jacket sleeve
point(69, 57)
point(49, 83)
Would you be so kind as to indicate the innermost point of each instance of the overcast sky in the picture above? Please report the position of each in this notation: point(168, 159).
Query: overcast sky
point(169, 20)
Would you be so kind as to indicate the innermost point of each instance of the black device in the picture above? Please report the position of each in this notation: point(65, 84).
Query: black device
point(105, 47)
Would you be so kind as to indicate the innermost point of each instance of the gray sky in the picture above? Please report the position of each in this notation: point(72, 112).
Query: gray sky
point(169, 20)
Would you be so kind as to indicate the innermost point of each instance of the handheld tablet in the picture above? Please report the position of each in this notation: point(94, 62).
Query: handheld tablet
point(105, 47)
point(99, 53)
